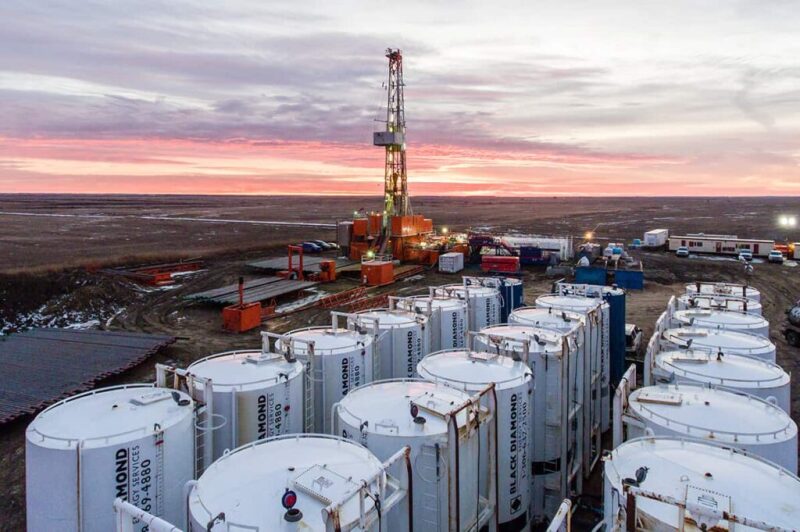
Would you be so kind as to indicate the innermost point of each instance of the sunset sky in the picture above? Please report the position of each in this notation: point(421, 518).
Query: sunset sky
point(599, 97)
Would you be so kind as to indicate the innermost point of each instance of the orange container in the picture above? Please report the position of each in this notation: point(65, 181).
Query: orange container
point(360, 227)
point(241, 318)
point(327, 271)
point(426, 226)
point(375, 224)
point(377, 272)
point(357, 249)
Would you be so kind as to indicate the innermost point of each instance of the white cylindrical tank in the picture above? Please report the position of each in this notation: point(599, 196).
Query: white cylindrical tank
point(245, 488)
point(556, 453)
point(472, 372)
point(739, 372)
point(403, 340)
point(719, 302)
point(379, 417)
point(716, 340)
point(701, 475)
point(723, 289)
point(722, 319)
point(485, 303)
point(342, 361)
point(256, 395)
point(715, 414)
point(135, 442)
point(447, 319)
point(598, 348)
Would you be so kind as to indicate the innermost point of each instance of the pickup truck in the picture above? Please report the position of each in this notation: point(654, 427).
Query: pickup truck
point(634, 342)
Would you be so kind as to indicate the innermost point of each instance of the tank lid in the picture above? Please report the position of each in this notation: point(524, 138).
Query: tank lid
point(720, 318)
point(385, 406)
point(576, 303)
point(109, 415)
point(472, 290)
point(717, 414)
point(720, 300)
point(472, 371)
point(241, 368)
point(547, 317)
point(249, 483)
point(722, 288)
point(719, 339)
point(388, 318)
point(328, 341)
point(437, 302)
point(542, 340)
point(747, 484)
point(728, 370)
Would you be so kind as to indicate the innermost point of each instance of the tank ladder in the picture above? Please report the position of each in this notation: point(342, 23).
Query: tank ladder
point(160, 493)
point(313, 373)
point(204, 410)
point(431, 471)
point(355, 323)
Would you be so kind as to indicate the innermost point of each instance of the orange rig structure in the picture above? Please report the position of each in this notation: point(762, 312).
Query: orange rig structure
point(408, 237)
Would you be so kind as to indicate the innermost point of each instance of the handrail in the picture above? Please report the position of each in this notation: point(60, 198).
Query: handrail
point(671, 422)
point(331, 514)
point(674, 335)
point(562, 521)
point(684, 371)
point(626, 384)
point(710, 516)
point(128, 518)
point(144, 429)
point(237, 354)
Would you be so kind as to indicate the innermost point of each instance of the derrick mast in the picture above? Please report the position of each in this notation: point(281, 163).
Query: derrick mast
point(395, 194)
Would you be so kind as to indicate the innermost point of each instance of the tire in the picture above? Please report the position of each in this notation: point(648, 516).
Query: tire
point(792, 338)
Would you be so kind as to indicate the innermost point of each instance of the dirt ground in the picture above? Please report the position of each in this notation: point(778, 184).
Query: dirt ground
point(44, 282)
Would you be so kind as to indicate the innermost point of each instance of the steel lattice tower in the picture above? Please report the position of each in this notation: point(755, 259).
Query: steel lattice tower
point(396, 202)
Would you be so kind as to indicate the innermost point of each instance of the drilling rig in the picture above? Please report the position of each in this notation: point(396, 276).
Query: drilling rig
point(395, 190)
point(396, 229)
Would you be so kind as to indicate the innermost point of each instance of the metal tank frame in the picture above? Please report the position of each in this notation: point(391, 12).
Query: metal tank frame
point(625, 512)
point(468, 287)
point(568, 473)
point(354, 320)
point(476, 415)
point(209, 420)
point(410, 304)
point(501, 387)
point(595, 344)
point(313, 371)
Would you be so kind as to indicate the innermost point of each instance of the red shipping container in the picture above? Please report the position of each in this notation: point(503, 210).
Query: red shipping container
point(500, 263)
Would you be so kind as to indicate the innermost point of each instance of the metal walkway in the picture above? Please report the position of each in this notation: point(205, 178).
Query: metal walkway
point(262, 289)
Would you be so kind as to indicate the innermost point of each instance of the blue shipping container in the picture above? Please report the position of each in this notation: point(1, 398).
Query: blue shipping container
point(629, 279)
point(590, 275)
